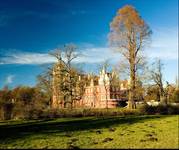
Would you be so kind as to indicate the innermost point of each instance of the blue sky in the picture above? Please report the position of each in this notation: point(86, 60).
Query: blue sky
point(30, 29)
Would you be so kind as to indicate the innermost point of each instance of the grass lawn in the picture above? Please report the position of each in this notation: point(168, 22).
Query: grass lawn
point(159, 131)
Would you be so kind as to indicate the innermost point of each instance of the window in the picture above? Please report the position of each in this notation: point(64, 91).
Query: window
point(117, 96)
point(102, 97)
point(113, 89)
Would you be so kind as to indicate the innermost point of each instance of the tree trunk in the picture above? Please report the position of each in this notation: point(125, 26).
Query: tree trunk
point(106, 102)
point(106, 98)
point(131, 102)
point(163, 98)
point(71, 101)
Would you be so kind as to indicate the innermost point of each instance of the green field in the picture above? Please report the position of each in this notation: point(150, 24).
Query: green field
point(159, 131)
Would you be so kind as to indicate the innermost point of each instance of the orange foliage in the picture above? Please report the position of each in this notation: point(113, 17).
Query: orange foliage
point(128, 17)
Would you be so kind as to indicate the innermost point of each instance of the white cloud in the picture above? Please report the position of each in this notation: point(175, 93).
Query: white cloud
point(9, 79)
point(97, 55)
point(27, 58)
point(88, 55)
point(163, 54)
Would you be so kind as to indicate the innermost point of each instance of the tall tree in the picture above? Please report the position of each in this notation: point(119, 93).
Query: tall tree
point(128, 35)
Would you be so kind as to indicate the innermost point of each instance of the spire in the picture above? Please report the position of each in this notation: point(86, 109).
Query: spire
point(92, 82)
point(103, 70)
point(79, 78)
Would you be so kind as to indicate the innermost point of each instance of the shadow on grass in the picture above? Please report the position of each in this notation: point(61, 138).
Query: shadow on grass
point(12, 132)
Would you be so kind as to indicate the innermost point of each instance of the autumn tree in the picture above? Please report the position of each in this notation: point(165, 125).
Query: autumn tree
point(6, 103)
point(175, 96)
point(128, 35)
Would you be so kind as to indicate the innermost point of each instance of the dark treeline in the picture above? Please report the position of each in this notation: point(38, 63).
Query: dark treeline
point(21, 101)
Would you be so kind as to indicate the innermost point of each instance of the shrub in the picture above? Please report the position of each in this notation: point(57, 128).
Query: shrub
point(146, 109)
point(160, 109)
point(172, 109)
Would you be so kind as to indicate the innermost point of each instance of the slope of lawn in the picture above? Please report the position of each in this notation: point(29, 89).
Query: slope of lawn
point(159, 131)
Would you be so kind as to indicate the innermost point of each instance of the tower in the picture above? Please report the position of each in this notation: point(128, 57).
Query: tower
point(54, 89)
point(56, 99)
point(104, 79)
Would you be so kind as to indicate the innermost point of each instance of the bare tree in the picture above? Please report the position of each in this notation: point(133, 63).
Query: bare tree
point(44, 83)
point(157, 77)
point(128, 35)
point(115, 79)
point(66, 76)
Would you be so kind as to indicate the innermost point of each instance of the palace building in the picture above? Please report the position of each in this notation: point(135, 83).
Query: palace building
point(100, 92)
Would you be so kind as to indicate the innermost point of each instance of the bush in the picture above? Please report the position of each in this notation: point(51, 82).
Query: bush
point(173, 109)
point(160, 109)
point(146, 109)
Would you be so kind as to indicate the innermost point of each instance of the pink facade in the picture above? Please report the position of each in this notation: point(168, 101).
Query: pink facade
point(99, 94)
point(101, 97)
